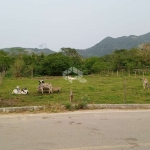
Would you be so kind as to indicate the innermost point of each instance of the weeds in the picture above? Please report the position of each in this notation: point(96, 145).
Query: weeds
point(75, 106)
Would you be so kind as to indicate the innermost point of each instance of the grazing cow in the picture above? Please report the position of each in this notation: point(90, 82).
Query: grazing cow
point(17, 90)
point(145, 83)
point(44, 86)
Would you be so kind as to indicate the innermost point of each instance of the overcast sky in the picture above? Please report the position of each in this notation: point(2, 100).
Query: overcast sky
point(77, 24)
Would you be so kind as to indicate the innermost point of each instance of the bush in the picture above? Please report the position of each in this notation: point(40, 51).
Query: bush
point(82, 105)
point(68, 106)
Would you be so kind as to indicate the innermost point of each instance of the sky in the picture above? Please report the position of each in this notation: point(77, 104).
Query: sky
point(78, 24)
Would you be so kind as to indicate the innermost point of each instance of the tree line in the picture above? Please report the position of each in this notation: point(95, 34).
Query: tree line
point(22, 64)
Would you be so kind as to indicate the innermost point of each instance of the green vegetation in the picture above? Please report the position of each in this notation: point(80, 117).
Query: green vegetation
point(97, 90)
point(24, 65)
point(105, 77)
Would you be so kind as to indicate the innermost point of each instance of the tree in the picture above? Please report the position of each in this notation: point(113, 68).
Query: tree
point(5, 61)
point(70, 52)
point(100, 65)
point(73, 54)
point(17, 67)
point(88, 63)
point(144, 53)
point(54, 64)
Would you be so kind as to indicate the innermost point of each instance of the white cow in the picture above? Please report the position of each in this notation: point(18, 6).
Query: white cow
point(44, 86)
point(17, 90)
point(145, 83)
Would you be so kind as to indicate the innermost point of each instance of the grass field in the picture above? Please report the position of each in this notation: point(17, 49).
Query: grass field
point(98, 89)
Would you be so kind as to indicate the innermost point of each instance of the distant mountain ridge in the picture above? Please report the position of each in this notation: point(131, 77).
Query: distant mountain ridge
point(106, 46)
point(39, 51)
point(28, 50)
point(109, 44)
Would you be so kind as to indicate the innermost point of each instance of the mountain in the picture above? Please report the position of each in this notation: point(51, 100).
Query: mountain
point(109, 44)
point(106, 46)
point(37, 51)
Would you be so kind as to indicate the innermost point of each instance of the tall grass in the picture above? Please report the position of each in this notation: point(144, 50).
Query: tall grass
point(98, 89)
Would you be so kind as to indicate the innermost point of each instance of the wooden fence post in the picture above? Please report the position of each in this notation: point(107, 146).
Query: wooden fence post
point(122, 73)
point(135, 74)
point(124, 90)
point(71, 96)
point(129, 73)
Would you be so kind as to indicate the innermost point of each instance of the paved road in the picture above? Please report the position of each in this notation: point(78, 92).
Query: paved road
point(81, 130)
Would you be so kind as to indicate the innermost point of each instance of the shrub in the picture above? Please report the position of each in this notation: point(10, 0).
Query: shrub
point(82, 105)
point(68, 106)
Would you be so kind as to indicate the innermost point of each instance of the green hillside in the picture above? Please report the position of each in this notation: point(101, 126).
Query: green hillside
point(109, 44)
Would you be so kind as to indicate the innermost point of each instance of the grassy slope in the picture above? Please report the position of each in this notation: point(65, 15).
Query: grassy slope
point(97, 89)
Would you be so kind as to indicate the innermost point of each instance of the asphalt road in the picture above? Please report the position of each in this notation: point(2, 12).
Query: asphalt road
point(81, 130)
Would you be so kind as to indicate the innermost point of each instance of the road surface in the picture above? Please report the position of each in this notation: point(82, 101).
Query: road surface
point(80, 130)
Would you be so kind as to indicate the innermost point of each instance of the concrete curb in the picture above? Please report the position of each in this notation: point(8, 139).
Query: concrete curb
point(118, 106)
point(89, 106)
point(20, 109)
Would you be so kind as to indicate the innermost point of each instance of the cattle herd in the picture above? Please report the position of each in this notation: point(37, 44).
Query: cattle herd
point(47, 87)
point(42, 87)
